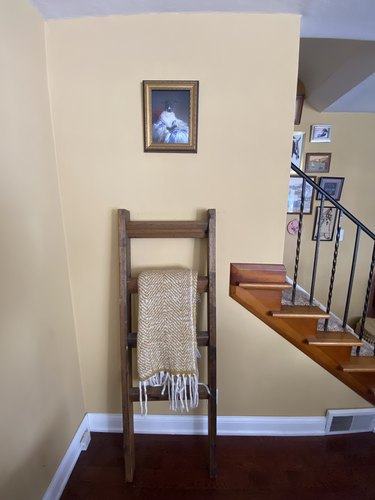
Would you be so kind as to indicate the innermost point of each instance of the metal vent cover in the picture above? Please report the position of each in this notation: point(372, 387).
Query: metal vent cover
point(349, 421)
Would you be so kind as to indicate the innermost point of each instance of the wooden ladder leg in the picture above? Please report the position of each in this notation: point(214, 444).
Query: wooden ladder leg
point(126, 352)
point(211, 320)
point(212, 430)
point(128, 420)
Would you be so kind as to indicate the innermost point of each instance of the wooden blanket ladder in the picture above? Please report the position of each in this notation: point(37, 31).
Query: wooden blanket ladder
point(128, 285)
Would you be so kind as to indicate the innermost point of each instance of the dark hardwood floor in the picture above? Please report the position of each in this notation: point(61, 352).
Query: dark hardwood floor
point(257, 468)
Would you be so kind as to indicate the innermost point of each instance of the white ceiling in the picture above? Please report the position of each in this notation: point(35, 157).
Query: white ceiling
point(320, 19)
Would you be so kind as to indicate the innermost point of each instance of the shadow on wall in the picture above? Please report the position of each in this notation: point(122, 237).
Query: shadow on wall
point(33, 474)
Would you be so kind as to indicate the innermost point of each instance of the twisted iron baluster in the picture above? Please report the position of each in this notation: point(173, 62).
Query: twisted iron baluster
point(298, 247)
point(317, 245)
point(365, 306)
point(334, 265)
point(351, 279)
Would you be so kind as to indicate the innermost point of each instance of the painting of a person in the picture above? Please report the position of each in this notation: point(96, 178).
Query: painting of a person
point(168, 129)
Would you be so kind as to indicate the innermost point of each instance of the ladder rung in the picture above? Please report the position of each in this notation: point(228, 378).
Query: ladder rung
point(300, 312)
point(202, 339)
point(265, 286)
point(167, 229)
point(334, 339)
point(202, 285)
point(154, 393)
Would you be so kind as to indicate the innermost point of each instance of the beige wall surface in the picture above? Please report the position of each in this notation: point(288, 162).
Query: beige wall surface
point(247, 69)
point(353, 153)
point(40, 387)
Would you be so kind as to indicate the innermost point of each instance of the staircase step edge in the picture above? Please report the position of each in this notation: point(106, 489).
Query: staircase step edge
point(287, 311)
point(334, 338)
point(265, 286)
point(359, 364)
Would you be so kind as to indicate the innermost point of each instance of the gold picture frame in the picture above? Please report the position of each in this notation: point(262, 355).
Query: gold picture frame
point(170, 116)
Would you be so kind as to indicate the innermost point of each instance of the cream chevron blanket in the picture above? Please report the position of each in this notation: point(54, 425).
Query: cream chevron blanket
point(167, 345)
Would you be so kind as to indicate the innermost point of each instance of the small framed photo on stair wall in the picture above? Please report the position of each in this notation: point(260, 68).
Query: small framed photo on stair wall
point(295, 195)
point(317, 163)
point(326, 224)
point(332, 185)
point(297, 146)
point(321, 133)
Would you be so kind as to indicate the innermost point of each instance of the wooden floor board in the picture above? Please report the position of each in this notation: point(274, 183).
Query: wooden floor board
point(259, 468)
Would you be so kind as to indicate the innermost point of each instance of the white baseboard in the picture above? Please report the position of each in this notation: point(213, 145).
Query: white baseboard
point(226, 426)
point(68, 462)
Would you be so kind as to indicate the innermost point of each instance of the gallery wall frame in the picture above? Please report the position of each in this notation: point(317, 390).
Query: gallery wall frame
point(321, 133)
point(317, 163)
point(326, 224)
point(297, 146)
point(295, 194)
point(332, 185)
point(170, 116)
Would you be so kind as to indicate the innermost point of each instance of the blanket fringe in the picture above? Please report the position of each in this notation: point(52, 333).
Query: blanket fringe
point(182, 390)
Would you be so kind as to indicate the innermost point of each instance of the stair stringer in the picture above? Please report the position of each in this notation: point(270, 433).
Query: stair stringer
point(297, 330)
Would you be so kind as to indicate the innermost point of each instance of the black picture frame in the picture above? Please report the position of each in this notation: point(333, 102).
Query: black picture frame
point(332, 185)
point(328, 223)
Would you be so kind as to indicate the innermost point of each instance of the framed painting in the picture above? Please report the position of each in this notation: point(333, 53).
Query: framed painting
point(321, 133)
point(332, 185)
point(295, 194)
point(170, 111)
point(326, 225)
point(297, 145)
point(317, 163)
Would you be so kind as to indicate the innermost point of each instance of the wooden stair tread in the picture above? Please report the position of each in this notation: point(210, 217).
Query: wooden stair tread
point(287, 311)
point(334, 339)
point(359, 364)
point(265, 286)
point(202, 339)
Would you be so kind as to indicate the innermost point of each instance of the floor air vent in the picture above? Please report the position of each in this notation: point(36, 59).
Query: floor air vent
point(346, 421)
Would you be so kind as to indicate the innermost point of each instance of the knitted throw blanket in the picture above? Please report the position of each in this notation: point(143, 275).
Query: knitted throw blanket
point(167, 344)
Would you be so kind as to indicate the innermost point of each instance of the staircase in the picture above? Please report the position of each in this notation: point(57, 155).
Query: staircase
point(259, 288)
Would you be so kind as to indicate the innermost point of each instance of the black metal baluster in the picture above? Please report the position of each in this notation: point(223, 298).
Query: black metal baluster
point(342, 211)
point(298, 247)
point(317, 245)
point(367, 297)
point(351, 279)
point(333, 271)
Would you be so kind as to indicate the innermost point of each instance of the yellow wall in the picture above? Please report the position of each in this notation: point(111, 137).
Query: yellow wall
point(40, 386)
point(353, 153)
point(247, 69)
